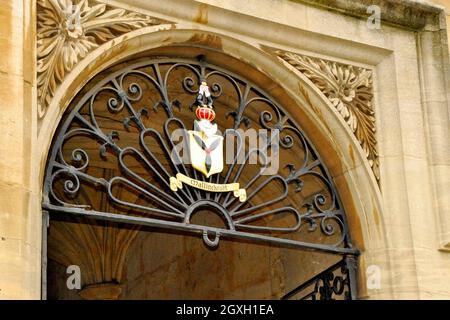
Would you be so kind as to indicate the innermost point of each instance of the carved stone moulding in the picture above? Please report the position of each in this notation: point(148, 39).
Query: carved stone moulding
point(350, 90)
point(67, 30)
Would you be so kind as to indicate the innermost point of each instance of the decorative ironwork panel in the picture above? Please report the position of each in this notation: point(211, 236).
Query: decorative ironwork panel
point(335, 283)
point(119, 153)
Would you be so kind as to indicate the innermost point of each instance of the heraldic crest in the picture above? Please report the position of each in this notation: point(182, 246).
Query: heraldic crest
point(205, 145)
point(206, 149)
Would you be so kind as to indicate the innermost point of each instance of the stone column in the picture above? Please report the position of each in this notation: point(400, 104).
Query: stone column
point(20, 214)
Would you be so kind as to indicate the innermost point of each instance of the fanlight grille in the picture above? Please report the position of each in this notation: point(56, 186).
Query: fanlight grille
point(114, 155)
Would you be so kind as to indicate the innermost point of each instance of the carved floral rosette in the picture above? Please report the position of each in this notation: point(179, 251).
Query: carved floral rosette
point(350, 91)
point(67, 30)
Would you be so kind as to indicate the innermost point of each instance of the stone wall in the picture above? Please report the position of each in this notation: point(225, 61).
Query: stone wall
point(20, 213)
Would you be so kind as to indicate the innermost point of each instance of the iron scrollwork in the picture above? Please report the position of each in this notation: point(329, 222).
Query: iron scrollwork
point(126, 120)
point(334, 283)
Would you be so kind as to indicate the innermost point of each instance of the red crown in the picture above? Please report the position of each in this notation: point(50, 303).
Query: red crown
point(204, 113)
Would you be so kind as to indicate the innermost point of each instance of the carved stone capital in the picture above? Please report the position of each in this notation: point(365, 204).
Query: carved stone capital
point(101, 291)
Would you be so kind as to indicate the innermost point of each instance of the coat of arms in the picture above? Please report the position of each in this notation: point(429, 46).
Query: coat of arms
point(205, 145)
point(206, 149)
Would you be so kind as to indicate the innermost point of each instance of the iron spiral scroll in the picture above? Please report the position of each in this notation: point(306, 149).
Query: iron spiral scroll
point(124, 123)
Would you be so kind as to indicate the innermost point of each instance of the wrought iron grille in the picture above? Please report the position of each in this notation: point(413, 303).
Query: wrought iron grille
point(334, 283)
point(112, 159)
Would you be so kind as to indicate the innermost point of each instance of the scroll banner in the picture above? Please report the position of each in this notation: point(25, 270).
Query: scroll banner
point(177, 183)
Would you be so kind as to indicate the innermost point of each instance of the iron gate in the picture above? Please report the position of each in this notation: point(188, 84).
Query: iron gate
point(126, 122)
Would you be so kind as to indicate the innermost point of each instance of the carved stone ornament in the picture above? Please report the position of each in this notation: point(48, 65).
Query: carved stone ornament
point(350, 91)
point(67, 30)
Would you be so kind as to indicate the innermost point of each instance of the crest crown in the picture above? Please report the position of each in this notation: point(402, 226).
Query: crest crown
point(205, 113)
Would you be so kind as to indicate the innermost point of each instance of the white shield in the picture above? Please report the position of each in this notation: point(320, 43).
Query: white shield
point(206, 153)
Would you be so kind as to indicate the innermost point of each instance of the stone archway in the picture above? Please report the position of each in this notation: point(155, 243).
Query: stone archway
point(339, 169)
